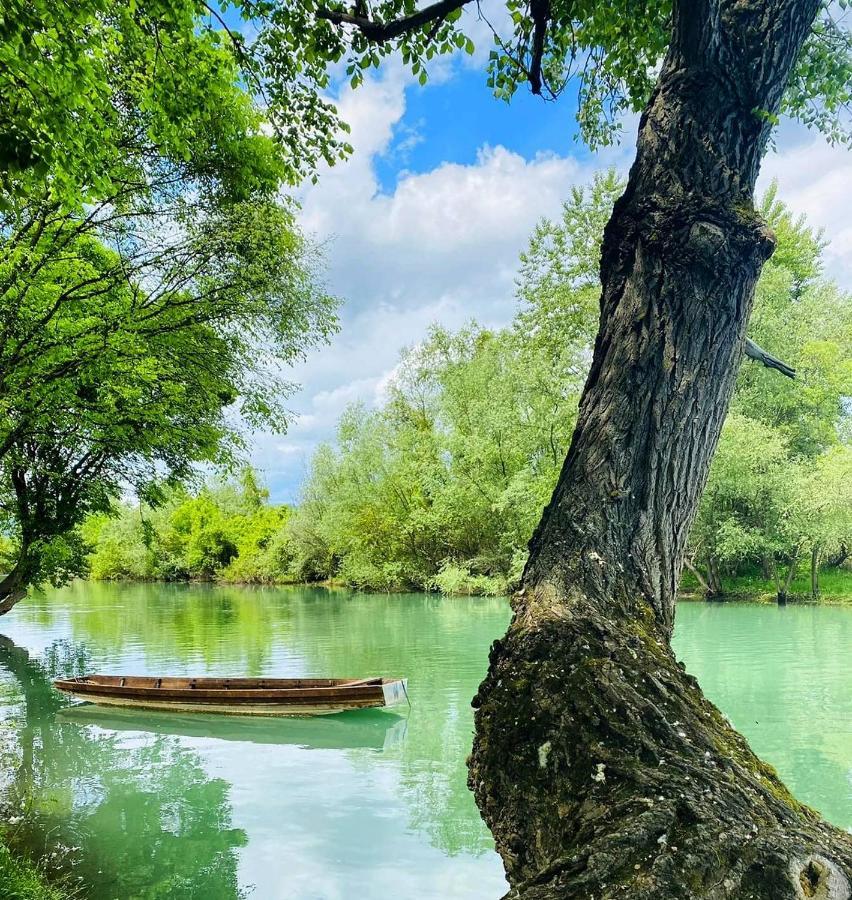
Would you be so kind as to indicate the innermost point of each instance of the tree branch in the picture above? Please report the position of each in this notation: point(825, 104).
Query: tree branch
point(698, 576)
point(386, 31)
point(540, 12)
point(752, 351)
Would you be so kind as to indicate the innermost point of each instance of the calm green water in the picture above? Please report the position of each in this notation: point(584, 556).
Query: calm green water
point(362, 805)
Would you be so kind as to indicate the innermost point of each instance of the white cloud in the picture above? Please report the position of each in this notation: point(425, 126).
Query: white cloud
point(815, 178)
point(442, 247)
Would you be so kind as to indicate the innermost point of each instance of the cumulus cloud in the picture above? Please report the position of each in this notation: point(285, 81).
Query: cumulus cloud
point(815, 178)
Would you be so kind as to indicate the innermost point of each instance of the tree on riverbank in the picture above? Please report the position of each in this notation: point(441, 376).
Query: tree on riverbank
point(141, 301)
point(597, 763)
point(225, 532)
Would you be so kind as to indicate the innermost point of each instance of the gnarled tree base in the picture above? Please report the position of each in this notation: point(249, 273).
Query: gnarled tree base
point(603, 772)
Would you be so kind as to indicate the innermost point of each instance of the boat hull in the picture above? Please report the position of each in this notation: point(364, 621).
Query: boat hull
point(237, 696)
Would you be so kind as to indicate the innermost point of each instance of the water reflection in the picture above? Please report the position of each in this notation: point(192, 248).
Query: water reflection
point(370, 806)
point(363, 798)
point(146, 821)
point(365, 729)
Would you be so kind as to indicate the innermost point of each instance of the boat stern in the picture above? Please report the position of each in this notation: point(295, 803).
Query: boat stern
point(395, 692)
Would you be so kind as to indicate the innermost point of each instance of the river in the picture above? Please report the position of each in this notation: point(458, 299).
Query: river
point(369, 805)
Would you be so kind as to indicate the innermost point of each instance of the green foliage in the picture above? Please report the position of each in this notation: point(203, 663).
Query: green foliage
point(109, 382)
point(608, 54)
point(84, 82)
point(442, 487)
point(744, 509)
point(820, 88)
point(226, 532)
point(94, 92)
point(21, 880)
point(152, 282)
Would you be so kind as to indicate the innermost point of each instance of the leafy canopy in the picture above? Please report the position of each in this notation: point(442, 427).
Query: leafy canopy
point(97, 93)
point(93, 90)
point(607, 54)
point(153, 284)
point(110, 384)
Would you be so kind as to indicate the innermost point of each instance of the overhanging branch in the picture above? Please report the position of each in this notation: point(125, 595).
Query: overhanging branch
point(386, 31)
point(540, 11)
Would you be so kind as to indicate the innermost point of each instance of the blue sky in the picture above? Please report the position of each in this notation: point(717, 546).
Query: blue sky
point(425, 221)
point(449, 121)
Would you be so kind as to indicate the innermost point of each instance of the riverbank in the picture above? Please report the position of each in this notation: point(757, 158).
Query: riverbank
point(449, 582)
point(835, 587)
point(21, 880)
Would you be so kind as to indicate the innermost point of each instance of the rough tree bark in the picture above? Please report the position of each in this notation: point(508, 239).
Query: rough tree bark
point(599, 766)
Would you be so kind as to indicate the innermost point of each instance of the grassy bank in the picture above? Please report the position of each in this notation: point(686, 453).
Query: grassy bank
point(21, 880)
point(835, 587)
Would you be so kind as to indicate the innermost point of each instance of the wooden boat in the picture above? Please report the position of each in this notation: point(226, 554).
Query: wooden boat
point(238, 696)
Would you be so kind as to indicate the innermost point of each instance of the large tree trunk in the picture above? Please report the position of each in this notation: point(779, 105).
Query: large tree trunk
point(13, 586)
point(600, 768)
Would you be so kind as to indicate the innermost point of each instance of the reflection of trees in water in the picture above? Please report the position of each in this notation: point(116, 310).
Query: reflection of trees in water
point(183, 622)
point(440, 644)
point(148, 819)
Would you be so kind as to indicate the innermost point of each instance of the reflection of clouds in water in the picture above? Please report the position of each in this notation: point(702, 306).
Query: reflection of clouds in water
point(370, 817)
point(379, 816)
point(338, 828)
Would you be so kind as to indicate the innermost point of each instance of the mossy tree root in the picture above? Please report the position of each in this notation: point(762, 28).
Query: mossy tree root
point(603, 772)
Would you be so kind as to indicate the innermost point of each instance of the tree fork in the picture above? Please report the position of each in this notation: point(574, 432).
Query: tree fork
point(600, 768)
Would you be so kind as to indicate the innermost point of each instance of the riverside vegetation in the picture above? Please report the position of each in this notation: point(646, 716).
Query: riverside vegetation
point(441, 486)
point(151, 277)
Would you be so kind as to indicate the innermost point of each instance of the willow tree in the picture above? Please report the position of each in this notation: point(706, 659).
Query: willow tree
point(599, 766)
